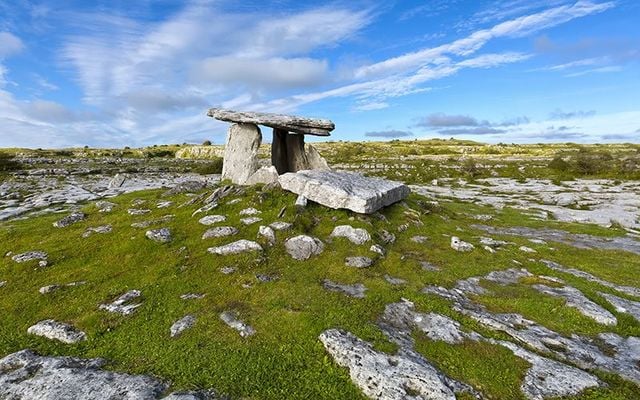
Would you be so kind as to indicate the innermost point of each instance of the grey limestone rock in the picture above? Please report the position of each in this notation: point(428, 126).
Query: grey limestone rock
point(348, 190)
point(312, 126)
point(356, 290)
point(97, 229)
point(212, 219)
point(231, 319)
point(264, 175)
point(459, 245)
point(117, 181)
point(376, 248)
point(621, 305)
point(122, 305)
point(250, 220)
point(280, 226)
point(30, 256)
point(394, 281)
point(162, 235)
point(70, 219)
point(240, 246)
point(302, 247)
point(629, 290)
point(55, 330)
point(137, 211)
point(267, 233)
point(355, 235)
point(104, 206)
point(358, 262)
point(192, 296)
point(249, 211)
point(579, 301)
point(241, 152)
point(220, 231)
point(182, 324)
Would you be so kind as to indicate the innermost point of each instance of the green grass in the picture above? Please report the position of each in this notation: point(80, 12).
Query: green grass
point(284, 359)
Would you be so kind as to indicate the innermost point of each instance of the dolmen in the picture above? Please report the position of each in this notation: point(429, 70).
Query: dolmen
point(296, 166)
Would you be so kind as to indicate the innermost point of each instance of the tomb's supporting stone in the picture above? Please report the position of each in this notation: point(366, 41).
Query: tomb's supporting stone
point(279, 158)
point(289, 153)
point(241, 152)
point(290, 123)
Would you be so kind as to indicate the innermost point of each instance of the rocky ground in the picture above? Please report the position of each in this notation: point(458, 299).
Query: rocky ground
point(169, 285)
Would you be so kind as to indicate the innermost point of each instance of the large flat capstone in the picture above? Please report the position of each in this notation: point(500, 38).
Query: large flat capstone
point(338, 189)
point(311, 126)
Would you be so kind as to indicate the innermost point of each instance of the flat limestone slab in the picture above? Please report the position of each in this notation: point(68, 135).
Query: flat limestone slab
point(311, 126)
point(337, 189)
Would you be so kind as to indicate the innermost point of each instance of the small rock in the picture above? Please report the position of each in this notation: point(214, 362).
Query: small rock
point(489, 249)
point(266, 278)
point(30, 256)
point(137, 211)
point(42, 263)
point(192, 296)
point(394, 281)
point(459, 245)
point(427, 266)
point(358, 262)
point(54, 330)
point(97, 229)
point(182, 324)
point(267, 233)
point(228, 270)
point(220, 231)
point(527, 249)
point(280, 226)
point(386, 237)
point(70, 219)
point(212, 219)
point(376, 248)
point(138, 202)
point(162, 235)
point(302, 247)
point(250, 220)
point(48, 289)
point(419, 239)
point(236, 247)
point(120, 305)
point(356, 290)
point(403, 227)
point(355, 235)
point(249, 211)
point(231, 319)
point(164, 204)
point(105, 206)
point(233, 201)
point(301, 201)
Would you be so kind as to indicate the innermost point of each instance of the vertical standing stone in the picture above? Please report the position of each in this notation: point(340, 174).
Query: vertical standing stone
point(297, 158)
point(241, 152)
point(279, 151)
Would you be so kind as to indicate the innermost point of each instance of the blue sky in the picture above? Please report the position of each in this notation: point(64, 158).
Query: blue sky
point(116, 73)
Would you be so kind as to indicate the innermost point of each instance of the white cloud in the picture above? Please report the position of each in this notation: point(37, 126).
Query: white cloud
point(601, 70)
point(10, 44)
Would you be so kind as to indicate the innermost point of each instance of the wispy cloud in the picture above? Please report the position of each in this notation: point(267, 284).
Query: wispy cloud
point(10, 44)
point(559, 114)
point(391, 134)
point(601, 70)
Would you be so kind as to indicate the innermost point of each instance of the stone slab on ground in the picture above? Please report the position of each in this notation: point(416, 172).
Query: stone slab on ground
point(339, 189)
point(55, 330)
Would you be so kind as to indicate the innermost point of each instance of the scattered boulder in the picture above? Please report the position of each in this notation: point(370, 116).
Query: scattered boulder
point(138, 211)
point(55, 330)
point(104, 206)
point(419, 239)
point(302, 247)
point(356, 290)
point(228, 270)
point(301, 201)
point(355, 235)
point(122, 305)
point(348, 190)
point(98, 229)
point(231, 319)
point(250, 220)
point(182, 324)
point(267, 233)
point(3, 283)
point(376, 248)
point(192, 296)
point(266, 278)
point(579, 301)
point(70, 219)
point(394, 281)
point(265, 175)
point(162, 235)
point(164, 204)
point(220, 231)
point(48, 289)
point(212, 219)
point(30, 256)
point(249, 211)
point(621, 305)
point(358, 262)
point(186, 187)
point(240, 246)
point(527, 249)
point(281, 226)
point(459, 245)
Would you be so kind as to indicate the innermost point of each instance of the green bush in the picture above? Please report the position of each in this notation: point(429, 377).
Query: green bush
point(212, 167)
point(559, 164)
point(471, 168)
point(206, 143)
point(8, 163)
point(160, 153)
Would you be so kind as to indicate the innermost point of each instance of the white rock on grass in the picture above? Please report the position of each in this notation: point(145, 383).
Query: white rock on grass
point(264, 175)
point(394, 281)
point(98, 229)
point(280, 226)
point(137, 211)
point(383, 376)
point(55, 330)
point(459, 245)
point(249, 211)
point(70, 219)
point(267, 233)
point(220, 231)
point(162, 235)
point(241, 152)
point(576, 299)
point(356, 290)
point(105, 206)
point(182, 324)
point(301, 201)
point(250, 220)
point(231, 319)
point(164, 204)
point(30, 256)
point(302, 247)
point(339, 189)
point(355, 235)
point(527, 249)
point(212, 219)
point(358, 262)
point(376, 248)
point(192, 296)
point(621, 305)
point(122, 305)
point(240, 246)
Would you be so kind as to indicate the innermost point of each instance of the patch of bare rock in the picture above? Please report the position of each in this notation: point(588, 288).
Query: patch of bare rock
point(357, 290)
point(30, 256)
point(162, 235)
point(302, 247)
point(182, 324)
point(55, 330)
point(240, 246)
point(123, 305)
point(355, 235)
point(231, 319)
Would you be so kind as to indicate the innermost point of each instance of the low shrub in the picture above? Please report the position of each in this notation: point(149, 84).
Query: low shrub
point(212, 167)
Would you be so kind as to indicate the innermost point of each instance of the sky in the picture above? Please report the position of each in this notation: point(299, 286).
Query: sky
point(113, 73)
